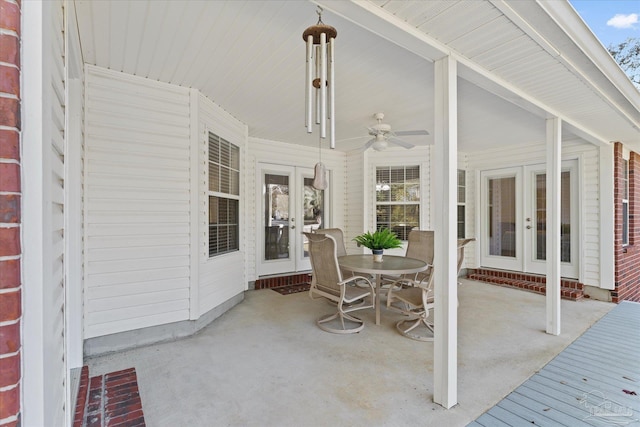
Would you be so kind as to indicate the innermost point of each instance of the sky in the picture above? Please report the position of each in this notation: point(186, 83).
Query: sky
point(612, 21)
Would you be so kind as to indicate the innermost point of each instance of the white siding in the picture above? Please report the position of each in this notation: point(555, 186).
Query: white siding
point(261, 150)
point(58, 373)
point(590, 213)
point(521, 155)
point(223, 276)
point(356, 211)
point(137, 203)
point(74, 154)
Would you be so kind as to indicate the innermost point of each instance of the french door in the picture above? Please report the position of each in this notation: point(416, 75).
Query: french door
point(513, 219)
point(287, 205)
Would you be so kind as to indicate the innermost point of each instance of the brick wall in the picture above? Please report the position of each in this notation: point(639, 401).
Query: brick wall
point(10, 215)
point(627, 258)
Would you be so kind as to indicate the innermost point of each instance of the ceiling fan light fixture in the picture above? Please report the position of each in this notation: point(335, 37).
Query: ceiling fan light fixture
point(380, 144)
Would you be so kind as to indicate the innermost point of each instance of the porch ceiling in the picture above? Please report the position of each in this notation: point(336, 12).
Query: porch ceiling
point(248, 57)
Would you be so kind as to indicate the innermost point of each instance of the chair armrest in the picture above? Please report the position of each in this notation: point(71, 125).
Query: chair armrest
point(356, 279)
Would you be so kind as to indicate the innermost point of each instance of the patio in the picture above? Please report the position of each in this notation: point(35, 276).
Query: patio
point(273, 366)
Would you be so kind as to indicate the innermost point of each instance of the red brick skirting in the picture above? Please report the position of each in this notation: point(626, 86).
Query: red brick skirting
point(109, 400)
point(569, 289)
point(277, 282)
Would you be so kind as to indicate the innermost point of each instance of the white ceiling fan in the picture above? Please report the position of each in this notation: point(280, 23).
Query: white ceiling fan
point(383, 135)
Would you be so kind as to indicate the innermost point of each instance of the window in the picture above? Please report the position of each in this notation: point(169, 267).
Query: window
point(224, 196)
point(625, 202)
point(398, 199)
point(462, 186)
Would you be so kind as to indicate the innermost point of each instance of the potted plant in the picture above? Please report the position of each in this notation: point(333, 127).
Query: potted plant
point(378, 241)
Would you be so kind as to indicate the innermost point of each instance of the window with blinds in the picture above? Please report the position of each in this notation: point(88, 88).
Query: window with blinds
point(398, 199)
point(224, 196)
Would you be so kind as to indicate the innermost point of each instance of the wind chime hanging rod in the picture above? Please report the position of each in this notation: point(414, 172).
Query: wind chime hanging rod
point(320, 75)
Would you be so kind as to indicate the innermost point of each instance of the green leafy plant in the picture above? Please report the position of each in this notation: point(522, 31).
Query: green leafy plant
point(379, 239)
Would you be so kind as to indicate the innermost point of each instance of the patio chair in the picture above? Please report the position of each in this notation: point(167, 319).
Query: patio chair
point(327, 282)
point(341, 249)
point(338, 236)
point(414, 298)
point(412, 294)
point(420, 246)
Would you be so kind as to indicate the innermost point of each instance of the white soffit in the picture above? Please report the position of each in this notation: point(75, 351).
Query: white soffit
point(532, 58)
point(248, 57)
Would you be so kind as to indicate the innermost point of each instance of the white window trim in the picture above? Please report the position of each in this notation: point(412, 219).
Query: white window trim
point(218, 194)
point(625, 200)
point(423, 196)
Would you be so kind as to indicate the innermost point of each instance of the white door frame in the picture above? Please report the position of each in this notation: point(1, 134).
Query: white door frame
point(531, 264)
point(303, 263)
point(495, 261)
point(525, 201)
point(296, 261)
point(274, 266)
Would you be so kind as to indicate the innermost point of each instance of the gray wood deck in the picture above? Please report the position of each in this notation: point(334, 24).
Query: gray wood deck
point(595, 381)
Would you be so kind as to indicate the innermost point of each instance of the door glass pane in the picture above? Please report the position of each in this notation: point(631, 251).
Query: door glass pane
point(314, 211)
point(276, 216)
point(541, 217)
point(502, 216)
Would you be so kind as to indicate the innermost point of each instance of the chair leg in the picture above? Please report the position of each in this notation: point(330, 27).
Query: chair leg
point(342, 316)
point(408, 331)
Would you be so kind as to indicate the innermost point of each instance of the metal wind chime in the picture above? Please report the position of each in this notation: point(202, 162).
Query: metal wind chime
point(319, 81)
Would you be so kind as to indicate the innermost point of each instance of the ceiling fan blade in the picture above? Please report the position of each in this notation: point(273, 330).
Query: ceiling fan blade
point(369, 143)
point(351, 139)
point(401, 143)
point(411, 132)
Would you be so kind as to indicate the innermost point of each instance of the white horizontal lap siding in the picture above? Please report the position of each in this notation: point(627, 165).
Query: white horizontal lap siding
point(224, 276)
point(281, 153)
point(590, 211)
point(137, 234)
point(355, 209)
point(588, 156)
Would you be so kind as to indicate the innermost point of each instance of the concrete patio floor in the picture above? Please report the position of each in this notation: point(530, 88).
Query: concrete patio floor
point(266, 363)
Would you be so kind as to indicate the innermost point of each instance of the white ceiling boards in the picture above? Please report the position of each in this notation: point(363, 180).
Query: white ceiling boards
point(248, 57)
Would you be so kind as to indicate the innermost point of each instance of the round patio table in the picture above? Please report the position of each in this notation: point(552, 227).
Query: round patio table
point(391, 264)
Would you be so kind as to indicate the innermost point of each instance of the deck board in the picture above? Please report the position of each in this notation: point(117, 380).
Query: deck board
point(600, 369)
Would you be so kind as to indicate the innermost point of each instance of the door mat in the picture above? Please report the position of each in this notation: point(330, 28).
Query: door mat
point(292, 289)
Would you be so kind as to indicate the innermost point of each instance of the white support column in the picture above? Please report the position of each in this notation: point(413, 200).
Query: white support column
point(554, 171)
point(444, 200)
point(607, 219)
